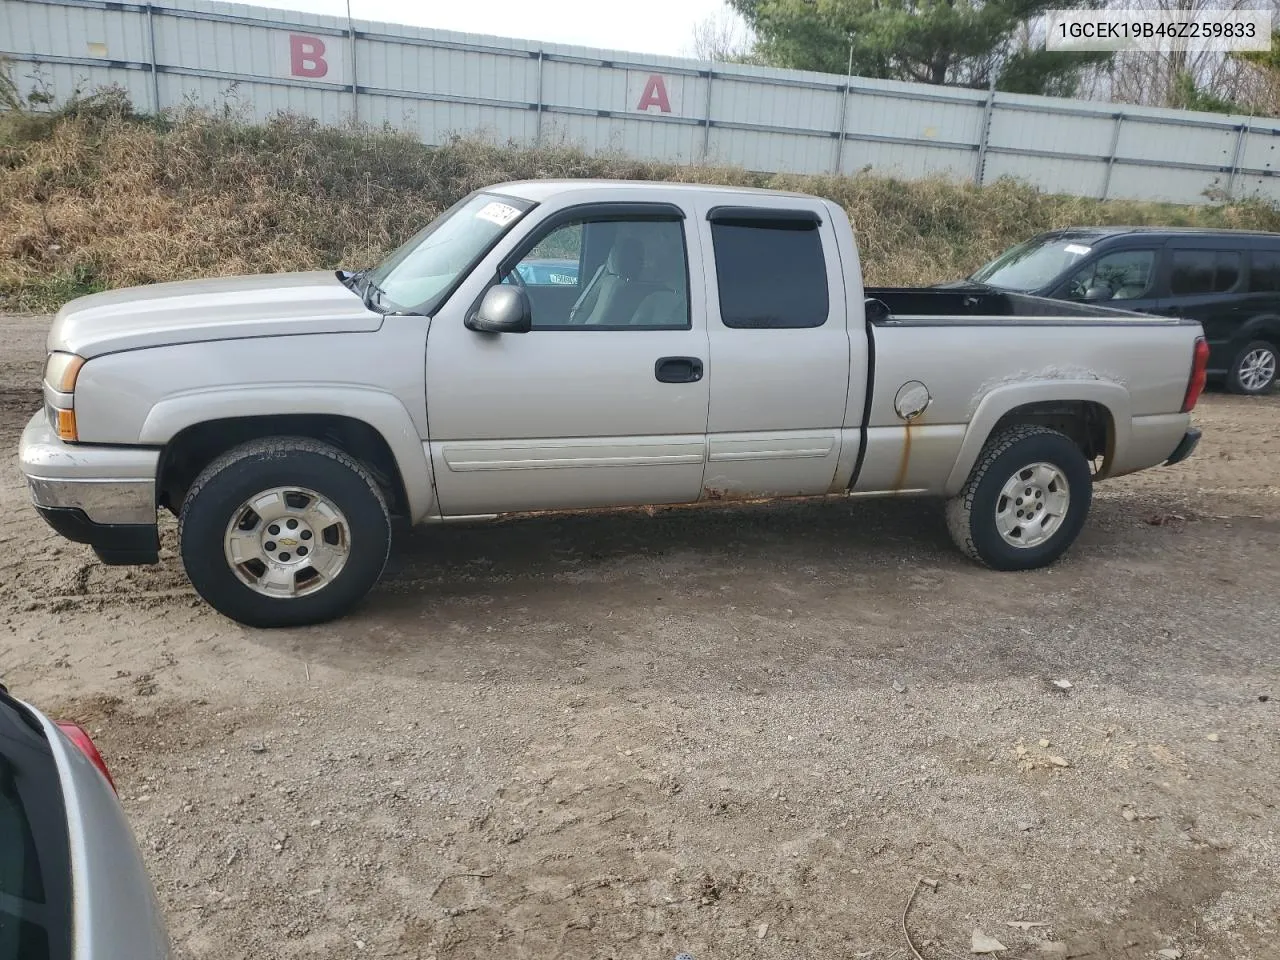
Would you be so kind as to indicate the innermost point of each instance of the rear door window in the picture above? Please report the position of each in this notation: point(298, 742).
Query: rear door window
point(1198, 272)
point(771, 274)
point(1264, 271)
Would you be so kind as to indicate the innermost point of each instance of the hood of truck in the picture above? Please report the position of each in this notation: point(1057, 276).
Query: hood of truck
point(224, 308)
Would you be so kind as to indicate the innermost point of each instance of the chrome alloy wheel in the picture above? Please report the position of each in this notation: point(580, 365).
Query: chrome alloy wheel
point(1032, 505)
point(287, 542)
point(1257, 369)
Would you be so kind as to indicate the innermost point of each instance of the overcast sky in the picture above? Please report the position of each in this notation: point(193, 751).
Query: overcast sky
point(644, 26)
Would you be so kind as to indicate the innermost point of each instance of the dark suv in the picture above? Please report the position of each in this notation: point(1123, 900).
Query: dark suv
point(1229, 280)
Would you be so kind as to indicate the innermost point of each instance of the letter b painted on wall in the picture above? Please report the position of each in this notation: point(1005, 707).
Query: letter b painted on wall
point(306, 56)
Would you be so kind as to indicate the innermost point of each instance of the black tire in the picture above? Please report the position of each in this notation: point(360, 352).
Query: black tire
point(1252, 351)
point(971, 514)
point(232, 479)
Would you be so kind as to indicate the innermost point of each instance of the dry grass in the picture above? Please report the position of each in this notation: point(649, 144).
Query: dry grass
point(96, 197)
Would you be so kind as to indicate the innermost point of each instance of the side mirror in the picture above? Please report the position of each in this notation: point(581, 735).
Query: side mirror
point(504, 309)
point(1100, 292)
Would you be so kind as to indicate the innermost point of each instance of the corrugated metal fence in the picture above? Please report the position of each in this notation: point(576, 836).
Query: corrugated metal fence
point(438, 83)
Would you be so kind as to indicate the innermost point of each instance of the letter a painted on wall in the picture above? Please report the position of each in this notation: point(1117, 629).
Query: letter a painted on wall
point(654, 95)
point(306, 56)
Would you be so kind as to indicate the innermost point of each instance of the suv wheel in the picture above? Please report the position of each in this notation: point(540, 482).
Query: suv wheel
point(285, 531)
point(1025, 501)
point(1253, 371)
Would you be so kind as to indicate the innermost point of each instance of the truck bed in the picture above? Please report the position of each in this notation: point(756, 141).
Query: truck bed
point(932, 305)
point(980, 353)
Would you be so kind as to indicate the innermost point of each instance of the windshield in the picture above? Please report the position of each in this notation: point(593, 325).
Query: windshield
point(1032, 265)
point(422, 272)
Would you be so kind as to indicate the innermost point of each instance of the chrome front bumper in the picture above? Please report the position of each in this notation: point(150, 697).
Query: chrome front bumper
point(102, 496)
point(110, 485)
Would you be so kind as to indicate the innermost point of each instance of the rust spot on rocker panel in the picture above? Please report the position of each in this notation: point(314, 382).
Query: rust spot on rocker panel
point(724, 502)
point(724, 495)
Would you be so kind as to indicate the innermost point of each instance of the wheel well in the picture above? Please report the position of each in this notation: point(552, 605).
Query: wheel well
point(194, 448)
point(1267, 330)
point(1087, 422)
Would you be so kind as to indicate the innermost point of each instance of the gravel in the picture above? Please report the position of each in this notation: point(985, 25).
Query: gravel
point(736, 732)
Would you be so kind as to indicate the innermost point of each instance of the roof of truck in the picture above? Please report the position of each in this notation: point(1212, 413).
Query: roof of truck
point(540, 190)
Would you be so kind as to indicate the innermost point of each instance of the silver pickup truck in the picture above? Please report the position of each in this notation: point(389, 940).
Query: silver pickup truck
point(712, 344)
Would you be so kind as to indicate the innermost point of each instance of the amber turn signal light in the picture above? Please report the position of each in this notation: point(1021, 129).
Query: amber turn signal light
point(66, 424)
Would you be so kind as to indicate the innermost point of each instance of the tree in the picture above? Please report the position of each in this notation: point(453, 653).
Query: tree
point(1268, 60)
point(1188, 95)
point(723, 38)
point(1199, 78)
point(1264, 70)
point(952, 42)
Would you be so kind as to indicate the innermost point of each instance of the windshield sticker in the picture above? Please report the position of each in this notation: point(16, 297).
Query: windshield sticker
point(499, 213)
point(1076, 249)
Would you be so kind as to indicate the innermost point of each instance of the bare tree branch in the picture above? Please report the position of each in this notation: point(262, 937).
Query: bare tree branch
point(723, 37)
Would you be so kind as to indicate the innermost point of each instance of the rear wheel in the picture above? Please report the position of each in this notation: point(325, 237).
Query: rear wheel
point(1253, 371)
point(1025, 501)
point(284, 532)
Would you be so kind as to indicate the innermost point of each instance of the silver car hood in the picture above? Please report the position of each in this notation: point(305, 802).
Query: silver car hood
point(224, 308)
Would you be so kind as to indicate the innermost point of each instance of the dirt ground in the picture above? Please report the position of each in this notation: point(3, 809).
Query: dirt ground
point(731, 732)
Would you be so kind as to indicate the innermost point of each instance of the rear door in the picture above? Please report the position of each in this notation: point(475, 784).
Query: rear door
point(1205, 281)
point(1257, 310)
point(779, 349)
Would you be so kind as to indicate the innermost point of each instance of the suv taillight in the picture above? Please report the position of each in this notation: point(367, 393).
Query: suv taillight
point(80, 737)
point(1199, 373)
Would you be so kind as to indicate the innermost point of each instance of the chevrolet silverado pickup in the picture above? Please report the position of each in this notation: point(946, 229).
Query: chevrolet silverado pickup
point(711, 343)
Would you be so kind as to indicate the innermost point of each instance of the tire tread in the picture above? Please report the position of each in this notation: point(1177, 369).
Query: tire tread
point(959, 509)
point(270, 448)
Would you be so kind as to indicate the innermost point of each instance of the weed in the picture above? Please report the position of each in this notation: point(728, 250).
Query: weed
point(94, 196)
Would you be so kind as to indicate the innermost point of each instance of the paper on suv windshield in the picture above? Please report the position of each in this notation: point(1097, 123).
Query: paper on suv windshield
point(499, 213)
point(1076, 249)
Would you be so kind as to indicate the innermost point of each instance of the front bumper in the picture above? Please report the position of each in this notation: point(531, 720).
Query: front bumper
point(1185, 448)
point(99, 495)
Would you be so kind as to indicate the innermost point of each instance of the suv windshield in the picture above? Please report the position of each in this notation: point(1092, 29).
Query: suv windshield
point(1032, 265)
point(423, 271)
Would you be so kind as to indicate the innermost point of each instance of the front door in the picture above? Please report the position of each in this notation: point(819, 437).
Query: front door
point(1125, 279)
point(1203, 285)
point(604, 402)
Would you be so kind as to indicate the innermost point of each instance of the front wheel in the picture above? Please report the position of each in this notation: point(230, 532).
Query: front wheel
point(282, 532)
point(1253, 371)
point(1025, 501)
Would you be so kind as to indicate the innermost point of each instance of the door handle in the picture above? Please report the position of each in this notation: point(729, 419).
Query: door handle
point(678, 370)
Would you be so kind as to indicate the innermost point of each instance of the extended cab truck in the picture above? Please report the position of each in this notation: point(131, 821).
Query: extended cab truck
point(714, 344)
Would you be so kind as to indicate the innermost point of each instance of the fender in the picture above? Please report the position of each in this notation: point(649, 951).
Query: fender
point(1265, 326)
point(380, 410)
point(1002, 400)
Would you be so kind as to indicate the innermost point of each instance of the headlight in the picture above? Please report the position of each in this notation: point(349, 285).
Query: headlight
point(61, 370)
point(60, 373)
